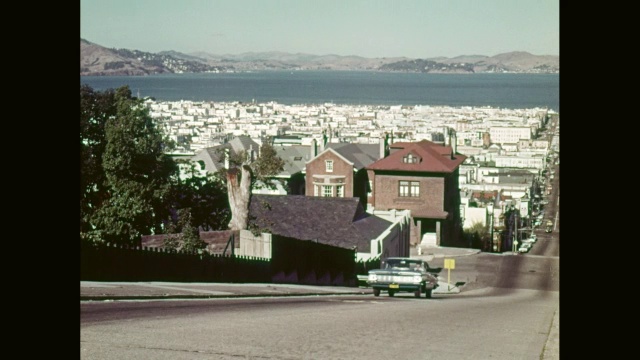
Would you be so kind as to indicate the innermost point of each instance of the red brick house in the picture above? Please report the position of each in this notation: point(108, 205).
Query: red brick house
point(421, 177)
point(329, 175)
point(340, 170)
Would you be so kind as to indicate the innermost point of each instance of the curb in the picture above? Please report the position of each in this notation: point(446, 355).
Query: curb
point(185, 297)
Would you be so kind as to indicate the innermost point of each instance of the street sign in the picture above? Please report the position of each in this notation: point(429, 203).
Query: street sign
point(449, 263)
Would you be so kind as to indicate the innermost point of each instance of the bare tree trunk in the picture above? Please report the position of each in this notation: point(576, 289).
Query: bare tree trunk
point(239, 197)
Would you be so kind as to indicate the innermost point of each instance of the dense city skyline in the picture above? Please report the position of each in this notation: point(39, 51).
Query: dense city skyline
point(371, 28)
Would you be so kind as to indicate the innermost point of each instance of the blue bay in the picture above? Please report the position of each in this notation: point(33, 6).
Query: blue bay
point(511, 91)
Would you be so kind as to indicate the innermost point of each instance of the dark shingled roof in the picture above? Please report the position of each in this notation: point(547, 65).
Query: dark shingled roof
point(340, 222)
point(295, 157)
point(361, 155)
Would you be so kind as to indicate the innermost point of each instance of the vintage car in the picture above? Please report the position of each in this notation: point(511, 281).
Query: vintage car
point(402, 274)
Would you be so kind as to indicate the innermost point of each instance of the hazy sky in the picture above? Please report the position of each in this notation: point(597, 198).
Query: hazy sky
point(369, 28)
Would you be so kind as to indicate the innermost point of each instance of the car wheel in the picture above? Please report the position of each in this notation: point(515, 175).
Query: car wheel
point(427, 294)
point(376, 292)
point(417, 293)
point(391, 293)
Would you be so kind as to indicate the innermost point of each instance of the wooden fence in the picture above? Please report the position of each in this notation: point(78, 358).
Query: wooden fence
point(293, 261)
point(120, 263)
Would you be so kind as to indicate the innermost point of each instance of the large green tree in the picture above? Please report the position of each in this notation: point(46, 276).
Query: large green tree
point(204, 194)
point(126, 173)
point(95, 109)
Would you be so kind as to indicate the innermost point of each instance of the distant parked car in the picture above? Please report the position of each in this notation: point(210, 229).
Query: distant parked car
point(525, 247)
point(402, 274)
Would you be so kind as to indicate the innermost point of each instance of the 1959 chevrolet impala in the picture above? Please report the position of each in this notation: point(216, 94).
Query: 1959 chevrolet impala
point(401, 274)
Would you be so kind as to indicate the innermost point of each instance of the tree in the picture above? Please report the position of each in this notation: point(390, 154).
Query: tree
point(188, 239)
point(268, 164)
point(95, 109)
point(478, 235)
point(243, 176)
point(239, 190)
point(127, 186)
point(204, 194)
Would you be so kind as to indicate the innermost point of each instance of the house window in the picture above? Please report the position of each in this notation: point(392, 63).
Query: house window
point(327, 191)
point(409, 188)
point(329, 165)
point(410, 159)
point(340, 191)
point(404, 188)
point(415, 189)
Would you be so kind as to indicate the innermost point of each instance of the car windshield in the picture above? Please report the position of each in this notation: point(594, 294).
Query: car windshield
point(403, 264)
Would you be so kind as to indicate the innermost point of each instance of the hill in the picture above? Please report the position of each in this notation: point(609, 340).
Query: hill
point(98, 60)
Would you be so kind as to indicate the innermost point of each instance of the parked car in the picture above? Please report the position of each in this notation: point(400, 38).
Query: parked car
point(403, 274)
point(525, 247)
point(548, 227)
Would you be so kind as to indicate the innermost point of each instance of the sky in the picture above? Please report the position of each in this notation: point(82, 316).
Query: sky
point(417, 29)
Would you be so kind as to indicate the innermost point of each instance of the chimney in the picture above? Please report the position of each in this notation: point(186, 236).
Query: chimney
point(447, 140)
point(252, 155)
point(382, 147)
point(314, 149)
point(454, 144)
point(226, 159)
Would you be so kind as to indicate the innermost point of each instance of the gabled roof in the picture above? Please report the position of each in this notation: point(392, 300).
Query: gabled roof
point(361, 155)
point(340, 222)
point(295, 157)
point(433, 158)
point(334, 152)
point(243, 143)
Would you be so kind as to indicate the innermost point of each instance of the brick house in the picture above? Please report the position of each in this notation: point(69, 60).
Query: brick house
point(329, 175)
point(421, 177)
point(340, 170)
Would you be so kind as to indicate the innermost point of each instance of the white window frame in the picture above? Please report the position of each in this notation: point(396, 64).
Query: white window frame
point(327, 190)
point(403, 188)
point(328, 165)
point(414, 188)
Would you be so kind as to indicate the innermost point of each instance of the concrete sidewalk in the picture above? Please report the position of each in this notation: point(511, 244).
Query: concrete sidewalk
point(111, 291)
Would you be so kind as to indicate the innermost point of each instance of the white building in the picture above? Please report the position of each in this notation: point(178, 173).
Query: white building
point(509, 134)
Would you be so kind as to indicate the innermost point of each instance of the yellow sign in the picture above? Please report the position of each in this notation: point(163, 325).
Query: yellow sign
point(449, 263)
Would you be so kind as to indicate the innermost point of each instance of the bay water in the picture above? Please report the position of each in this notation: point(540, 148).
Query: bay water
point(499, 90)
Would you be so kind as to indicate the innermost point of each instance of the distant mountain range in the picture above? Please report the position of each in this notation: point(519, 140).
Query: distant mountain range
point(98, 60)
